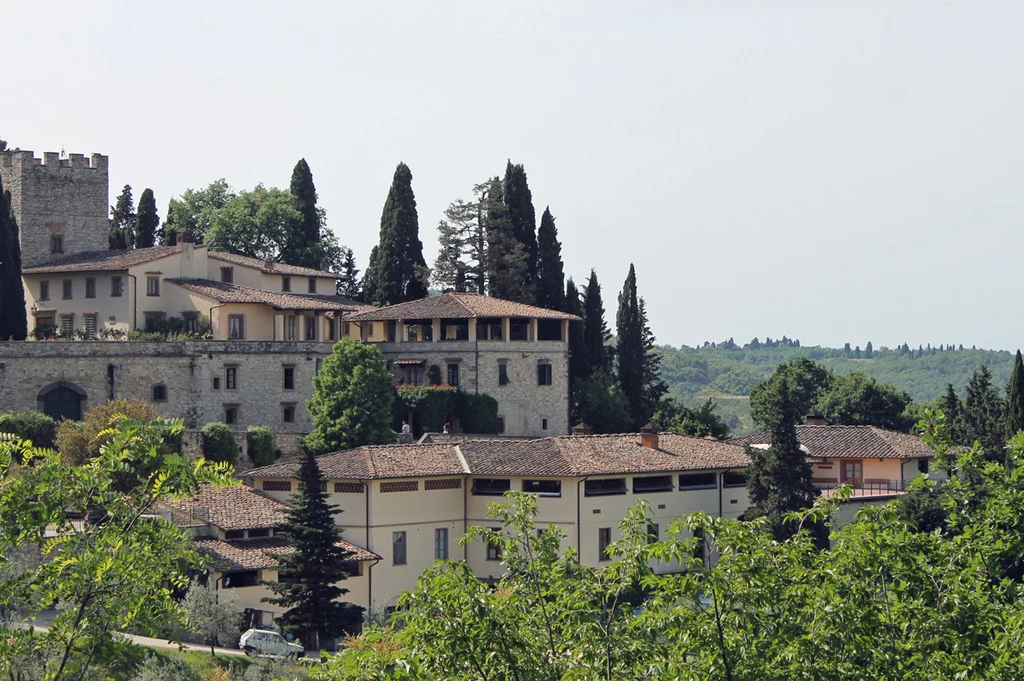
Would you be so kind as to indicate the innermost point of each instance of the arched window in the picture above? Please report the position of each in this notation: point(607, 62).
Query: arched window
point(62, 400)
point(159, 393)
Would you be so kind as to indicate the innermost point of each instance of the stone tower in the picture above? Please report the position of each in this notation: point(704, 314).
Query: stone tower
point(60, 204)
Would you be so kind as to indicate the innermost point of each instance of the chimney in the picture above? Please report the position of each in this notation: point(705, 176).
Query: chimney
point(185, 239)
point(323, 264)
point(649, 436)
point(269, 264)
point(815, 418)
point(582, 429)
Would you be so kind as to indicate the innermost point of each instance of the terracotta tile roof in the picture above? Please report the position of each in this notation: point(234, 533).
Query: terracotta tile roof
point(231, 508)
point(458, 306)
point(268, 266)
point(341, 302)
point(851, 442)
point(102, 261)
point(565, 456)
point(254, 554)
point(234, 293)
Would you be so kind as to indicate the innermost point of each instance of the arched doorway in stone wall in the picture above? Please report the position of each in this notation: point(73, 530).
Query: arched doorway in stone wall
point(62, 400)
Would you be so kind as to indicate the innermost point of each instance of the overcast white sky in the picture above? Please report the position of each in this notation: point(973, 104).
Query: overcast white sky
point(831, 171)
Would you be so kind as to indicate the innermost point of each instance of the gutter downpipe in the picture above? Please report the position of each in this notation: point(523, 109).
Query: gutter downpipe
point(369, 570)
point(579, 519)
point(719, 477)
point(465, 516)
point(212, 308)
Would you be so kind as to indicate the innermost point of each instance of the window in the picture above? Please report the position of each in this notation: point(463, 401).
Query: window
point(698, 547)
point(922, 466)
point(286, 284)
point(453, 375)
point(455, 330)
point(519, 329)
point(289, 328)
point(288, 415)
point(545, 488)
point(289, 378)
point(234, 534)
point(501, 425)
point(653, 533)
point(56, 243)
point(216, 382)
point(231, 374)
point(604, 540)
point(543, 424)
point(398, 548)
point(734, 479)
point(277, 485)
point(115, 287)
point(152, 286)
point(597, 488)
point(652, 483)
point(159, 393)
point(348, 488)
point(227, 275)
point(401, 486)
point(488, 329)
point(345, 329)
point(544, 374)
point(446, 483)
point(310, 328)
point(698, 481)
point(421, 330)
point(230, 415)
point(67, 323)
point(503, 378)
point(66, 289)
point(90, 288)
point(491, 486)
point(89, 323)
point(312, 284)
point(852, 472)
point(236, 326)
point(493, 547)
point(441, 543)
point(549, 329)
point(329, 323)
point(235, 580)
point(191, 322)
point(44, 290)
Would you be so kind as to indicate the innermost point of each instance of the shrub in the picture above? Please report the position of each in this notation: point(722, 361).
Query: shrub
point(433, 404)
point(159, 668)
point(219, 443)
point(29, 424)
point(434, 375)
point(478, 414)
point(260, 445)
point(80, 441)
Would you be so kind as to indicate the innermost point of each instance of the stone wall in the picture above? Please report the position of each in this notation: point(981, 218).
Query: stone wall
point(103, 370)
point(54, 196)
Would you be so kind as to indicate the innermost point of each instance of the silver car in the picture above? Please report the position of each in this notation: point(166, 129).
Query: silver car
point(266, 642)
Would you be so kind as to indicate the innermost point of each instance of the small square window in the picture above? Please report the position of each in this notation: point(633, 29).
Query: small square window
point(543, 424)
point(116, 287)
point(289, 378)
point(44, 290)
point(227, 275)
point(56, 243)
point(90, 288)
point(66, 289)
point(236, 327)
point(544, 374)
point(493, 547)
point(159, 393)
point(312, 284)
point(232, 378)
point(230, 415)
point(286, 284)
point(152, 286)
point(289, 414)
point(216, 382)
point(503, 378)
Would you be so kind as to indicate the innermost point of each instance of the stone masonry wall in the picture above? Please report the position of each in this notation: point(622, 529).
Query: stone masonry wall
point(109, 369)
point(57, 197)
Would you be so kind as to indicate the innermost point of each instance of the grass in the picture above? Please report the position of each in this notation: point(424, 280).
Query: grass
point(126, 657)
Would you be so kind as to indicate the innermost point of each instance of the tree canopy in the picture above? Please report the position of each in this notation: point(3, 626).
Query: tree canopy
point(146, 220)
point(397, 263)
point(13, 319)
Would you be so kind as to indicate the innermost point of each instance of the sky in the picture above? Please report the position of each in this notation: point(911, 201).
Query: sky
point(829, 171)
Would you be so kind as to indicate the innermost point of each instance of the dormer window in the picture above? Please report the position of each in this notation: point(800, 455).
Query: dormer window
point(227, 275)
point(286, 284)
point(312, 284)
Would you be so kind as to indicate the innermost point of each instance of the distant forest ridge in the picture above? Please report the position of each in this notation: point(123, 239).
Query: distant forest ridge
point(727, 370)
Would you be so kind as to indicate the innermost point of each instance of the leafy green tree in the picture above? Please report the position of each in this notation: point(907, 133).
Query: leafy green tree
point(146, 220)
point(522, 218)
point(1015, 398)
point(29, 424)
point(461, 263)
point(260, 445)
point(868, 351)
point(400, 269)
point(78, 442)
point(703, 421)
point(550, 275)
point(255, 224)
point(369, 285)
point(213, 614)
point(507, 256)
point(808, 381)
point(779, 477)
point(13, 319)
point(108, 577)
point(308, 577)
point(601, 404)
point(122, 221)
point(219, 443)
point(857, 399)
point(352, 397)
point(196, 211)
point(595, 330)
point(982, 417)
point(299, 246)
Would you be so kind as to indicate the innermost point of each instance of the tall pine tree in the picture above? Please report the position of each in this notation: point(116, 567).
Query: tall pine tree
point(348, 277)
point(982, 416)
point(654, 388)
point(302, 246)
point(595, 330)
point(550, 275)
point(952, 408)
point(122, 221)
point(369, 287)
point(629, 353)
point(1015, 399)
point(779, 478)
point(13, 319)
point(146, 220)
point(522, 218)
point(308, 577)
point(579, 368)
point(506, 255)
point(401, 271)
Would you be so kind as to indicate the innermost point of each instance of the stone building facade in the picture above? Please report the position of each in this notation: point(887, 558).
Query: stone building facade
point(60, 204)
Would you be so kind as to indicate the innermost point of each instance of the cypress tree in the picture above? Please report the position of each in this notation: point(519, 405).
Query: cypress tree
point(654, 389)
point(595, 330)
point(1015, 399)
point(951, 408)
point(300, 246)
point(308, 577)
point(122, 221)
point(522, 218)
point(348, 278)
point(578, 366)
point(147, 220)
point(13, 319)
point(550, 275)
point(506, 255)
point(630, 351)
point(401, 269)
point(779, 478)
point(369, 287)
point(982, 416)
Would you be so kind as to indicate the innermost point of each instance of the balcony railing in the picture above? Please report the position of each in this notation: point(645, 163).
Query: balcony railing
point(870, 487)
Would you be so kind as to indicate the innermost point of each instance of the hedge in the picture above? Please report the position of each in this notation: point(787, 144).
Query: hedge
point(219, 443)
point(261, 445)
point(477, 414)
point(29, 424)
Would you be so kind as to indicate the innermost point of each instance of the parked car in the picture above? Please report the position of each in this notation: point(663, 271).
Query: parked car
point(266, 642)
